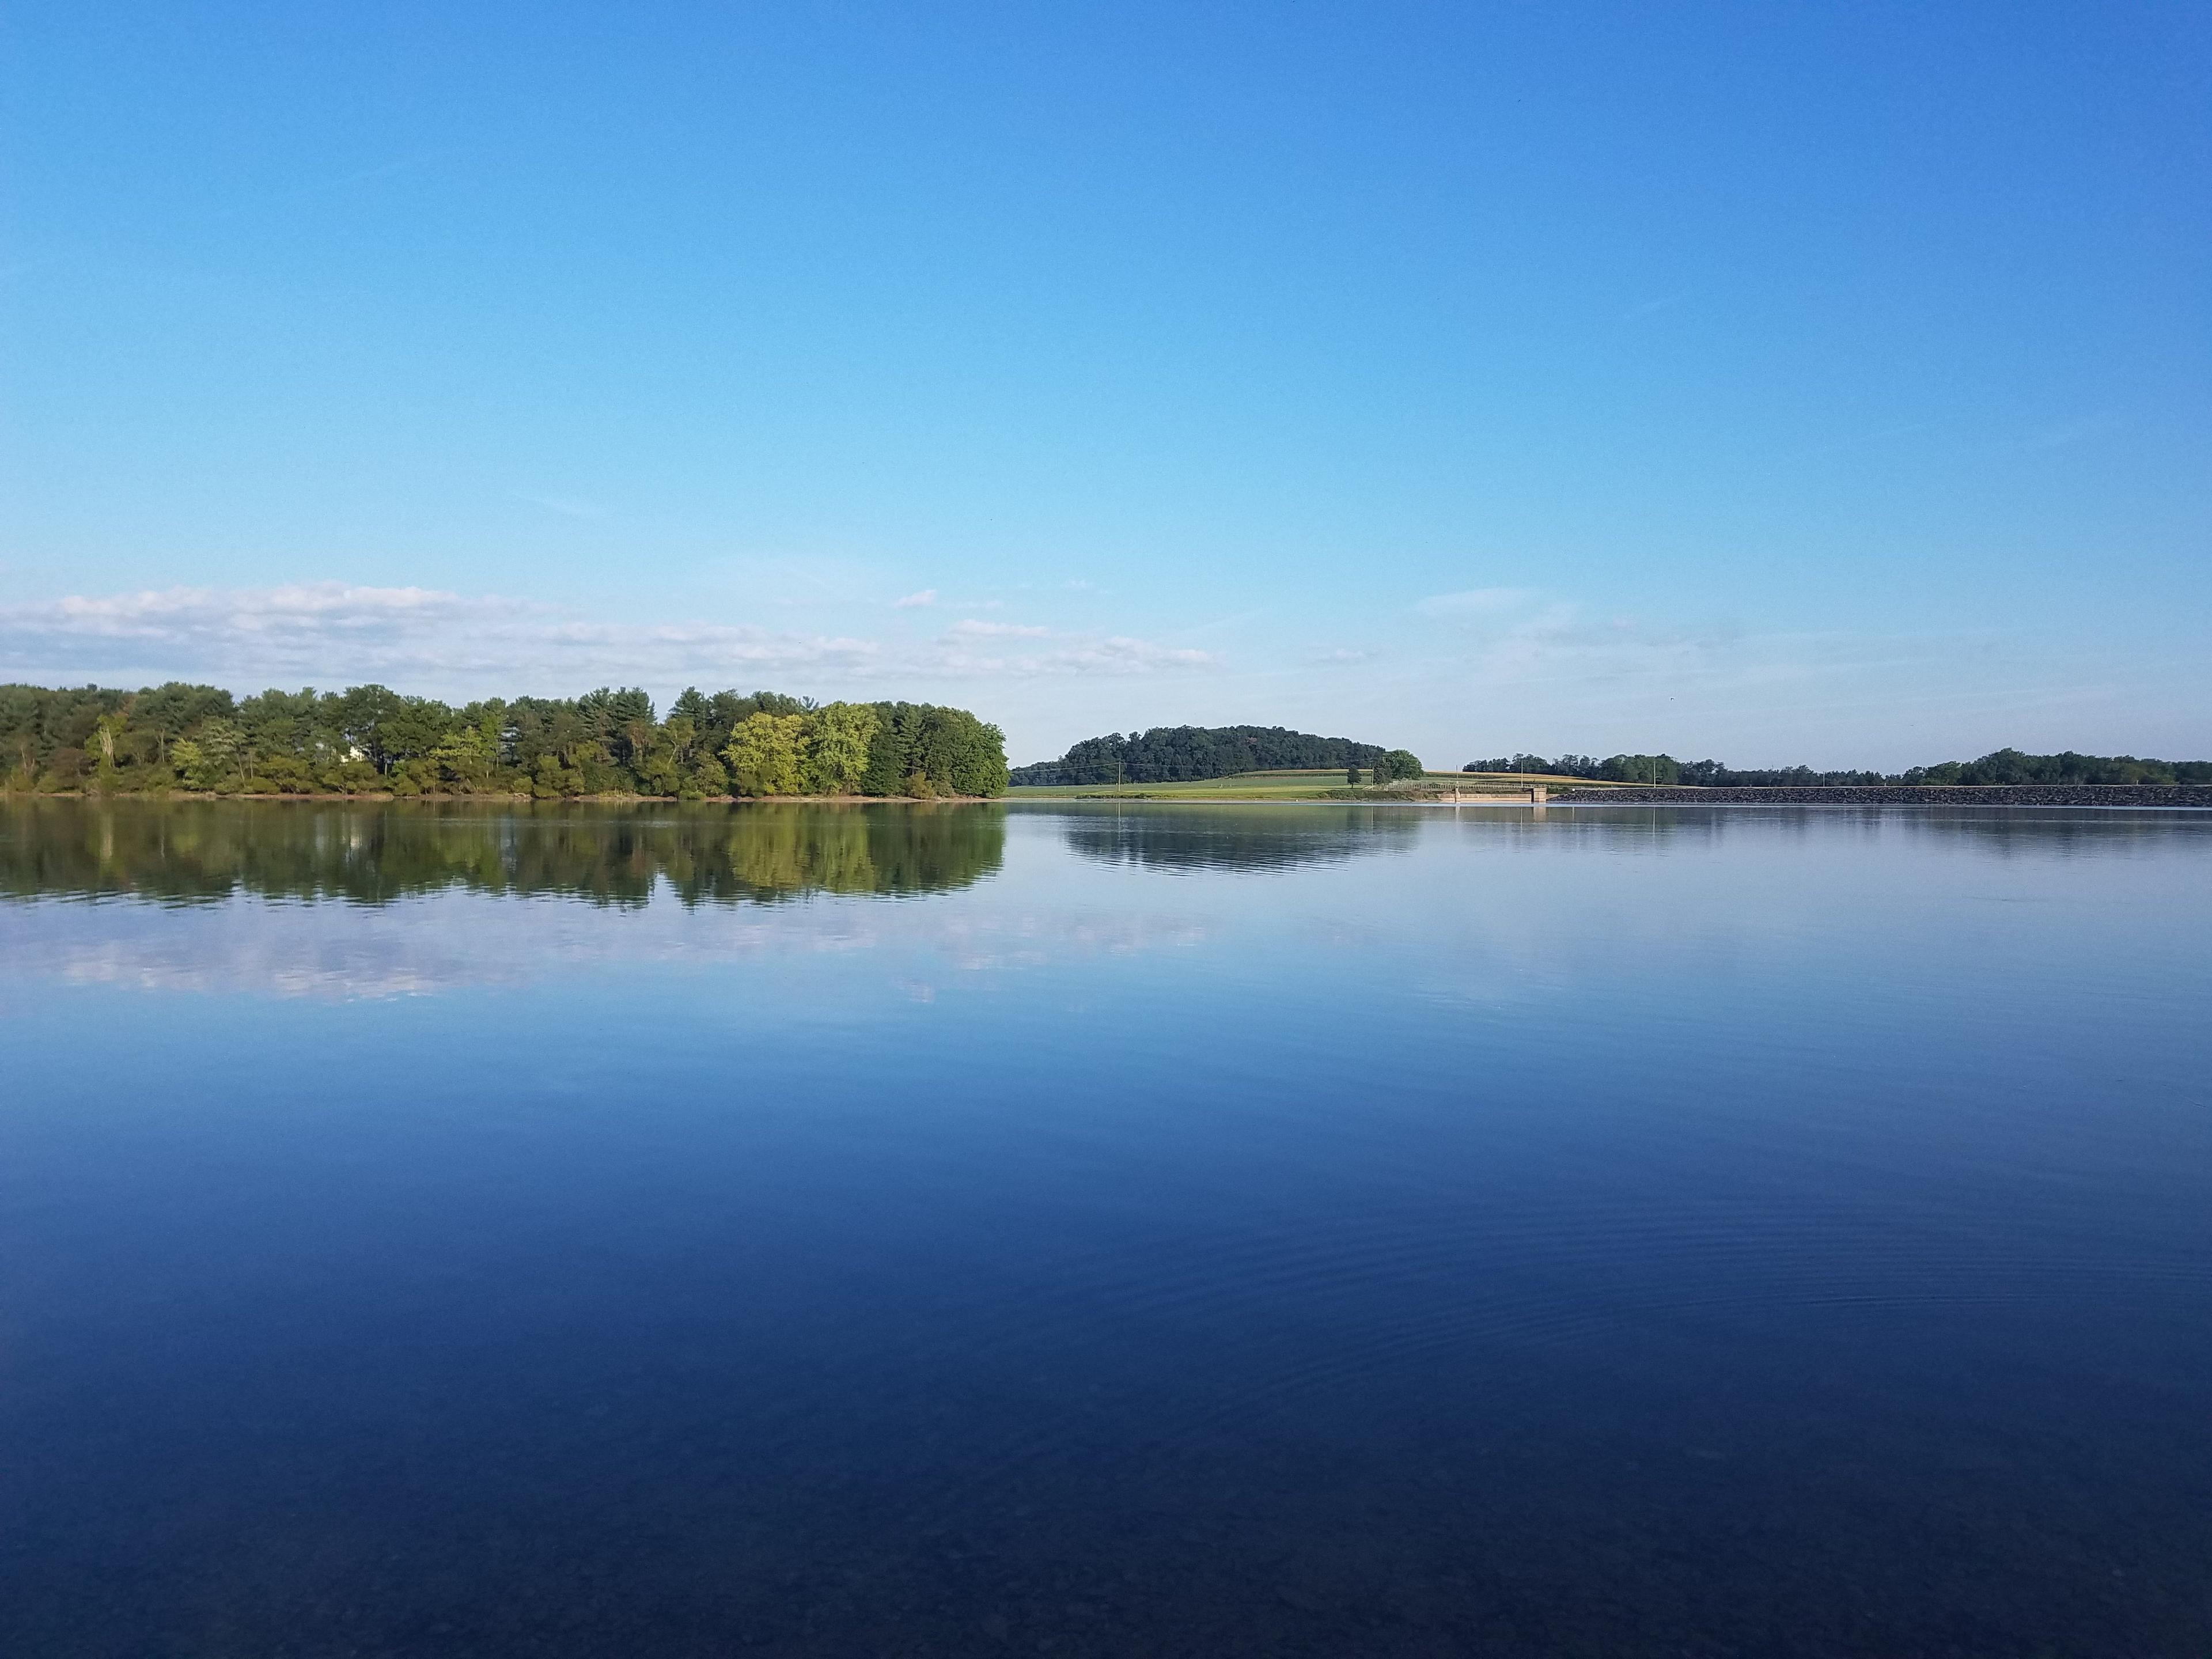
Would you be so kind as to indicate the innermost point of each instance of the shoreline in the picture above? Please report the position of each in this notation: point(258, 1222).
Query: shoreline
point(1918, 794)
point(2196, 797)
point(384, 797)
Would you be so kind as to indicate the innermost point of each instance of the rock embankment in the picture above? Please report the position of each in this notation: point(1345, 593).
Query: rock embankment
point(1925, 795)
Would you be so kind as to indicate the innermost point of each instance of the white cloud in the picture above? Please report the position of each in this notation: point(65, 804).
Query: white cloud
point(1120, 653)
point(311, 615)
point(331, 630)
point(983, 649)
point(335, 633)
point(972, 630)
point(912, 601)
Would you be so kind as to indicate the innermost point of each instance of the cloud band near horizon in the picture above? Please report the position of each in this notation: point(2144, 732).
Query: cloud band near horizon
point(447, 643)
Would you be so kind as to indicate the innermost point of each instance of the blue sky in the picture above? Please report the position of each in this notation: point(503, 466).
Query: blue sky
point(1824, 383)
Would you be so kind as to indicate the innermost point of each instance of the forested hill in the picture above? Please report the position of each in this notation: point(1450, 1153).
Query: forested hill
point(1169, 753)
point(371, 740)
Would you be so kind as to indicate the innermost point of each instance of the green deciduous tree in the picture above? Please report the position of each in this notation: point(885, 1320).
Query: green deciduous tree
point(767, 755)
point(706, 776)
point(837, 750)
point(1395, 764)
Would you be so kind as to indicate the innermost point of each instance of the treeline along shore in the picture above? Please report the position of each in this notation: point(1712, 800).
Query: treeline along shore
point(2003, 777)
point(369, 739)
point(1907, 794)
point(2068, 768)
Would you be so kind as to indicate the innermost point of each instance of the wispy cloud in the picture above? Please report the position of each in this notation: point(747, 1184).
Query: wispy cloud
point(2064, 435)
point(329, 633)
point(1117, 653)
point(326, 629)
point(1520, 634)
point(457, 938)
point(567, 507)
point(915, 601)
point(972, 630)
point(1549, 645)
point(1474, 602)
point(973, 648)
point(186, 614)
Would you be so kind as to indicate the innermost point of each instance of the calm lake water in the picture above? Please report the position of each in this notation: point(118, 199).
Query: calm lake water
point(1104, 1230)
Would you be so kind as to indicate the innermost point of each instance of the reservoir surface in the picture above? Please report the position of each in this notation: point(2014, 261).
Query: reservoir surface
point(1107, 1228)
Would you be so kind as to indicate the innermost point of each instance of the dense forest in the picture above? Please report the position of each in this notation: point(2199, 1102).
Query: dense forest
point(370, 739)
point(2002, 766)
point(1175, 754)
point(373, 851)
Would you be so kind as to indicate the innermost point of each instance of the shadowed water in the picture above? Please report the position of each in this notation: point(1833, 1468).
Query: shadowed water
point(1104, 1229)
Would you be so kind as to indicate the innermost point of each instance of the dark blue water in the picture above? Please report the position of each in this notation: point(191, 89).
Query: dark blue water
point(1109, 1231)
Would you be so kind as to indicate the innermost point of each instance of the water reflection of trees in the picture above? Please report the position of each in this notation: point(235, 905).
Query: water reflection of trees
point(1190, 836)
point(370, 852)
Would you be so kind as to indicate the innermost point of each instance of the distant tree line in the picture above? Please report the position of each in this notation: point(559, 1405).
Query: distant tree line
point(2010, 766)
point(371, 739)
point(1174, 754)
point(2001, 766)
point(1626, 769)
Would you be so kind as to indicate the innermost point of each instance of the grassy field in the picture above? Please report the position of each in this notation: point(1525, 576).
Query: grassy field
point(1282, 785)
